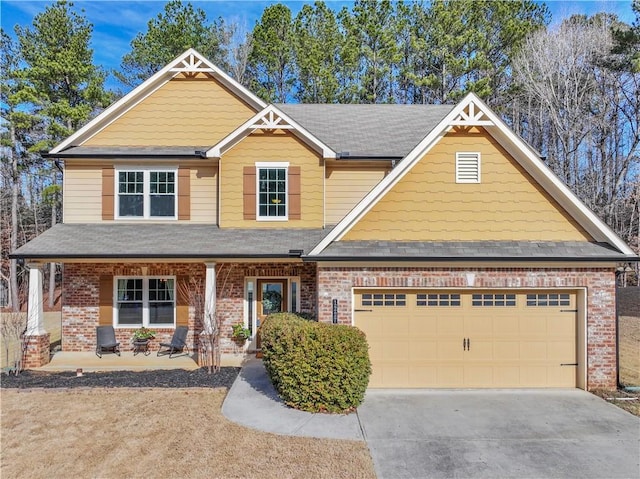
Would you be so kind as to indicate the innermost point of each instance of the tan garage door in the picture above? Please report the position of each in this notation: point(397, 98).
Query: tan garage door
point(481, 339)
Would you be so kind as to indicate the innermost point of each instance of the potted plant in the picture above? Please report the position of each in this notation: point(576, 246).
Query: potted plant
point(143, 334)
point(240, 333)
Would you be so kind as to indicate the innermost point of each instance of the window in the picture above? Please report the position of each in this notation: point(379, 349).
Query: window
point(145, 302)
point(438, 300)
point(493, 300)
point(467, 167)
point(272, 191)
point(562, 299)
point(144, 193)
point(380, 299)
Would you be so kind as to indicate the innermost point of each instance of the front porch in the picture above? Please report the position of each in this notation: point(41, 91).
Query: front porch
point(127, 361)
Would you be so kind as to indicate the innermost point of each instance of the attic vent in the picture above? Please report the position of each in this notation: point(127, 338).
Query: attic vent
point(467, 167)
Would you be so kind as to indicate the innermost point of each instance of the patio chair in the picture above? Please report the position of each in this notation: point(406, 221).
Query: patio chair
point(106, 341)
point(177, 344)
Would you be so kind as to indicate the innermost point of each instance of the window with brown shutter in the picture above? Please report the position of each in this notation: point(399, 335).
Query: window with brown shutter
point(249, 193)
point(294, 193)
point(107, 193)
point(105, 300)
point(182, 301)
point(184, 193)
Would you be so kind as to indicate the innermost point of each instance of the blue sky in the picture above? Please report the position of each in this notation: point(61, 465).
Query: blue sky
point(116, 22)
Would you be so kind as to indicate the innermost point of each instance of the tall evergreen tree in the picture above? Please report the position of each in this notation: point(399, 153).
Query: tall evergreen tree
point(271, 59)
point(317, 46)
point(59, 86)
point(178, 28)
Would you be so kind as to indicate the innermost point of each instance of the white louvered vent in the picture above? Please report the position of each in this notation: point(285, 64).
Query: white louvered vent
point(467, 167)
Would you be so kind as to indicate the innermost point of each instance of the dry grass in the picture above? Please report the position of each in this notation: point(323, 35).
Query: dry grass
point(177, 433)
point(629, 350)
point(624, 400)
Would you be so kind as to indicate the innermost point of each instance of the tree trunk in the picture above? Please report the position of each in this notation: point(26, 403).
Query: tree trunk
point(15, 188)
point(52, 266)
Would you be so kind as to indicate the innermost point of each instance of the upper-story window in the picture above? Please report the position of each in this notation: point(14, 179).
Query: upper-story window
point(146, 193)
point(272, 191)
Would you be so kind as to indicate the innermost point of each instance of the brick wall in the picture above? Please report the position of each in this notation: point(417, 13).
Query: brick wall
point(81, 289)
point(337, 283)
point(36, 353)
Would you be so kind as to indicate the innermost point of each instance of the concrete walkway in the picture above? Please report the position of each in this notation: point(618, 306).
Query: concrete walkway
point(253, 402)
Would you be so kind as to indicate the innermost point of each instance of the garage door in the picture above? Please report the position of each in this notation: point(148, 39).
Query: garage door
point(480, 339)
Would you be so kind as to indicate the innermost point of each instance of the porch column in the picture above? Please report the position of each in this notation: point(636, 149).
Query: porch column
point(37, 340)
point(209, 296)
point(35, 311)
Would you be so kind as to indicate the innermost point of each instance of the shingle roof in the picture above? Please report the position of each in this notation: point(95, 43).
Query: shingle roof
point(166, 241)
point(124, 151)
point(209, 241)
point(389, 131)
point(471, 250)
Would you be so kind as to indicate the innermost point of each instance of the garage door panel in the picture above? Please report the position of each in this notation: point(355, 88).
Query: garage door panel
point(425, 350)
point(514, 339)
point(394, 350)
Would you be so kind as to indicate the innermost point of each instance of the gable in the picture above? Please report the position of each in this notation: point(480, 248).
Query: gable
point(185, 111)
point(274, 146)
point(427, 204)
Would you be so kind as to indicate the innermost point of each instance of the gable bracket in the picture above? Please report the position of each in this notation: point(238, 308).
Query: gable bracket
point(191, 64)
point(271, 121)
point(471, 117)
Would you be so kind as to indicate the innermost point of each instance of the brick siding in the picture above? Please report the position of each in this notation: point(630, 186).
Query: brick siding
point(81, 290)
point(337, 283)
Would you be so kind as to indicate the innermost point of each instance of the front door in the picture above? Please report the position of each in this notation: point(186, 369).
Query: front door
point(272, 298)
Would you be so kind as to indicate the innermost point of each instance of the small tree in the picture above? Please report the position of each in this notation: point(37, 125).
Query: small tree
point(209, 337)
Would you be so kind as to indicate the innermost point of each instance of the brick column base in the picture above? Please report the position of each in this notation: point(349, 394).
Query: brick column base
point(37, 351)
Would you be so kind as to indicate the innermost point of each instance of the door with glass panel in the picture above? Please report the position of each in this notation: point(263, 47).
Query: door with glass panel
point(271, 298)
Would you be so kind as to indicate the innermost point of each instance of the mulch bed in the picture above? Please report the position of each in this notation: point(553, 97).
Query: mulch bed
point(172, 378)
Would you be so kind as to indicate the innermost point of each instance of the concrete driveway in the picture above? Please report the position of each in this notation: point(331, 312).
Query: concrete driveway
point(499, 434)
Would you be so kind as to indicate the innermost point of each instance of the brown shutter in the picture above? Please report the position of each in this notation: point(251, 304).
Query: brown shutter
point(108, 200)
point(184, 193)
point(105, 310)
point(294, 193)
point(182, 300)
point(249, 192)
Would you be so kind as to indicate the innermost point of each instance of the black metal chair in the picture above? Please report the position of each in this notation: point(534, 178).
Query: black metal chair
point(177, 344)
point(106, 341)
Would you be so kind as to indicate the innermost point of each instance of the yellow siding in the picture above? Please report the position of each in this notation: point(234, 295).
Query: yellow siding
point(204, 194)
point(82, 193)
point(345, 187)
point(260, 147)
point(427, 204)
point(183, 112)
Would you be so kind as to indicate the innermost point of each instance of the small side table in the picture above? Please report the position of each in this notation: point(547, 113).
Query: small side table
point(141, 346)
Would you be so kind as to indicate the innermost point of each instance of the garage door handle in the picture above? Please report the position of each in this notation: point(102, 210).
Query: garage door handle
point(466, 344)
point(363, 310)
point(568, 364)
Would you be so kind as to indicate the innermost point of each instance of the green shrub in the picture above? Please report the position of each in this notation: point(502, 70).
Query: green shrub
point(315, 367)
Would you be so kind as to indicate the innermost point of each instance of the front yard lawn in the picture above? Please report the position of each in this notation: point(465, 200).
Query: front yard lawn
point(135, 433)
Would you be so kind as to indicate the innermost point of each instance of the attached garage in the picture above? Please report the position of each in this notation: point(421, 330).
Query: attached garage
point(471, 338)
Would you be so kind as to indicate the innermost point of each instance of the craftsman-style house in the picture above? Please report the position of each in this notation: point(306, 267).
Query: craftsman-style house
point(434, 229)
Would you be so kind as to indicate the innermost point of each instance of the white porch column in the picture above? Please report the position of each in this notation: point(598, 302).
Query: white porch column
point(35, 311)
point(209, 296)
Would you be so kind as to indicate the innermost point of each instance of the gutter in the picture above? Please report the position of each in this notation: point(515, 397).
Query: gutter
point(454, 259)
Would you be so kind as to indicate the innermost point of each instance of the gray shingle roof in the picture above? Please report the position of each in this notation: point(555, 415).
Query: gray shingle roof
point(166, 241)
point(178, 240)
point(368, 130)
point(123, 151)
point(471, 250)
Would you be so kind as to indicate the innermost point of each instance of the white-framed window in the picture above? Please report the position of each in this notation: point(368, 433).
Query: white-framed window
point(467, 167)
point(272, 187)
point(145, 301)
point(146, 193)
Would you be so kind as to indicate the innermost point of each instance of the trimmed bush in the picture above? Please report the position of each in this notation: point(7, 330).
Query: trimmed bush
point(315, 367)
